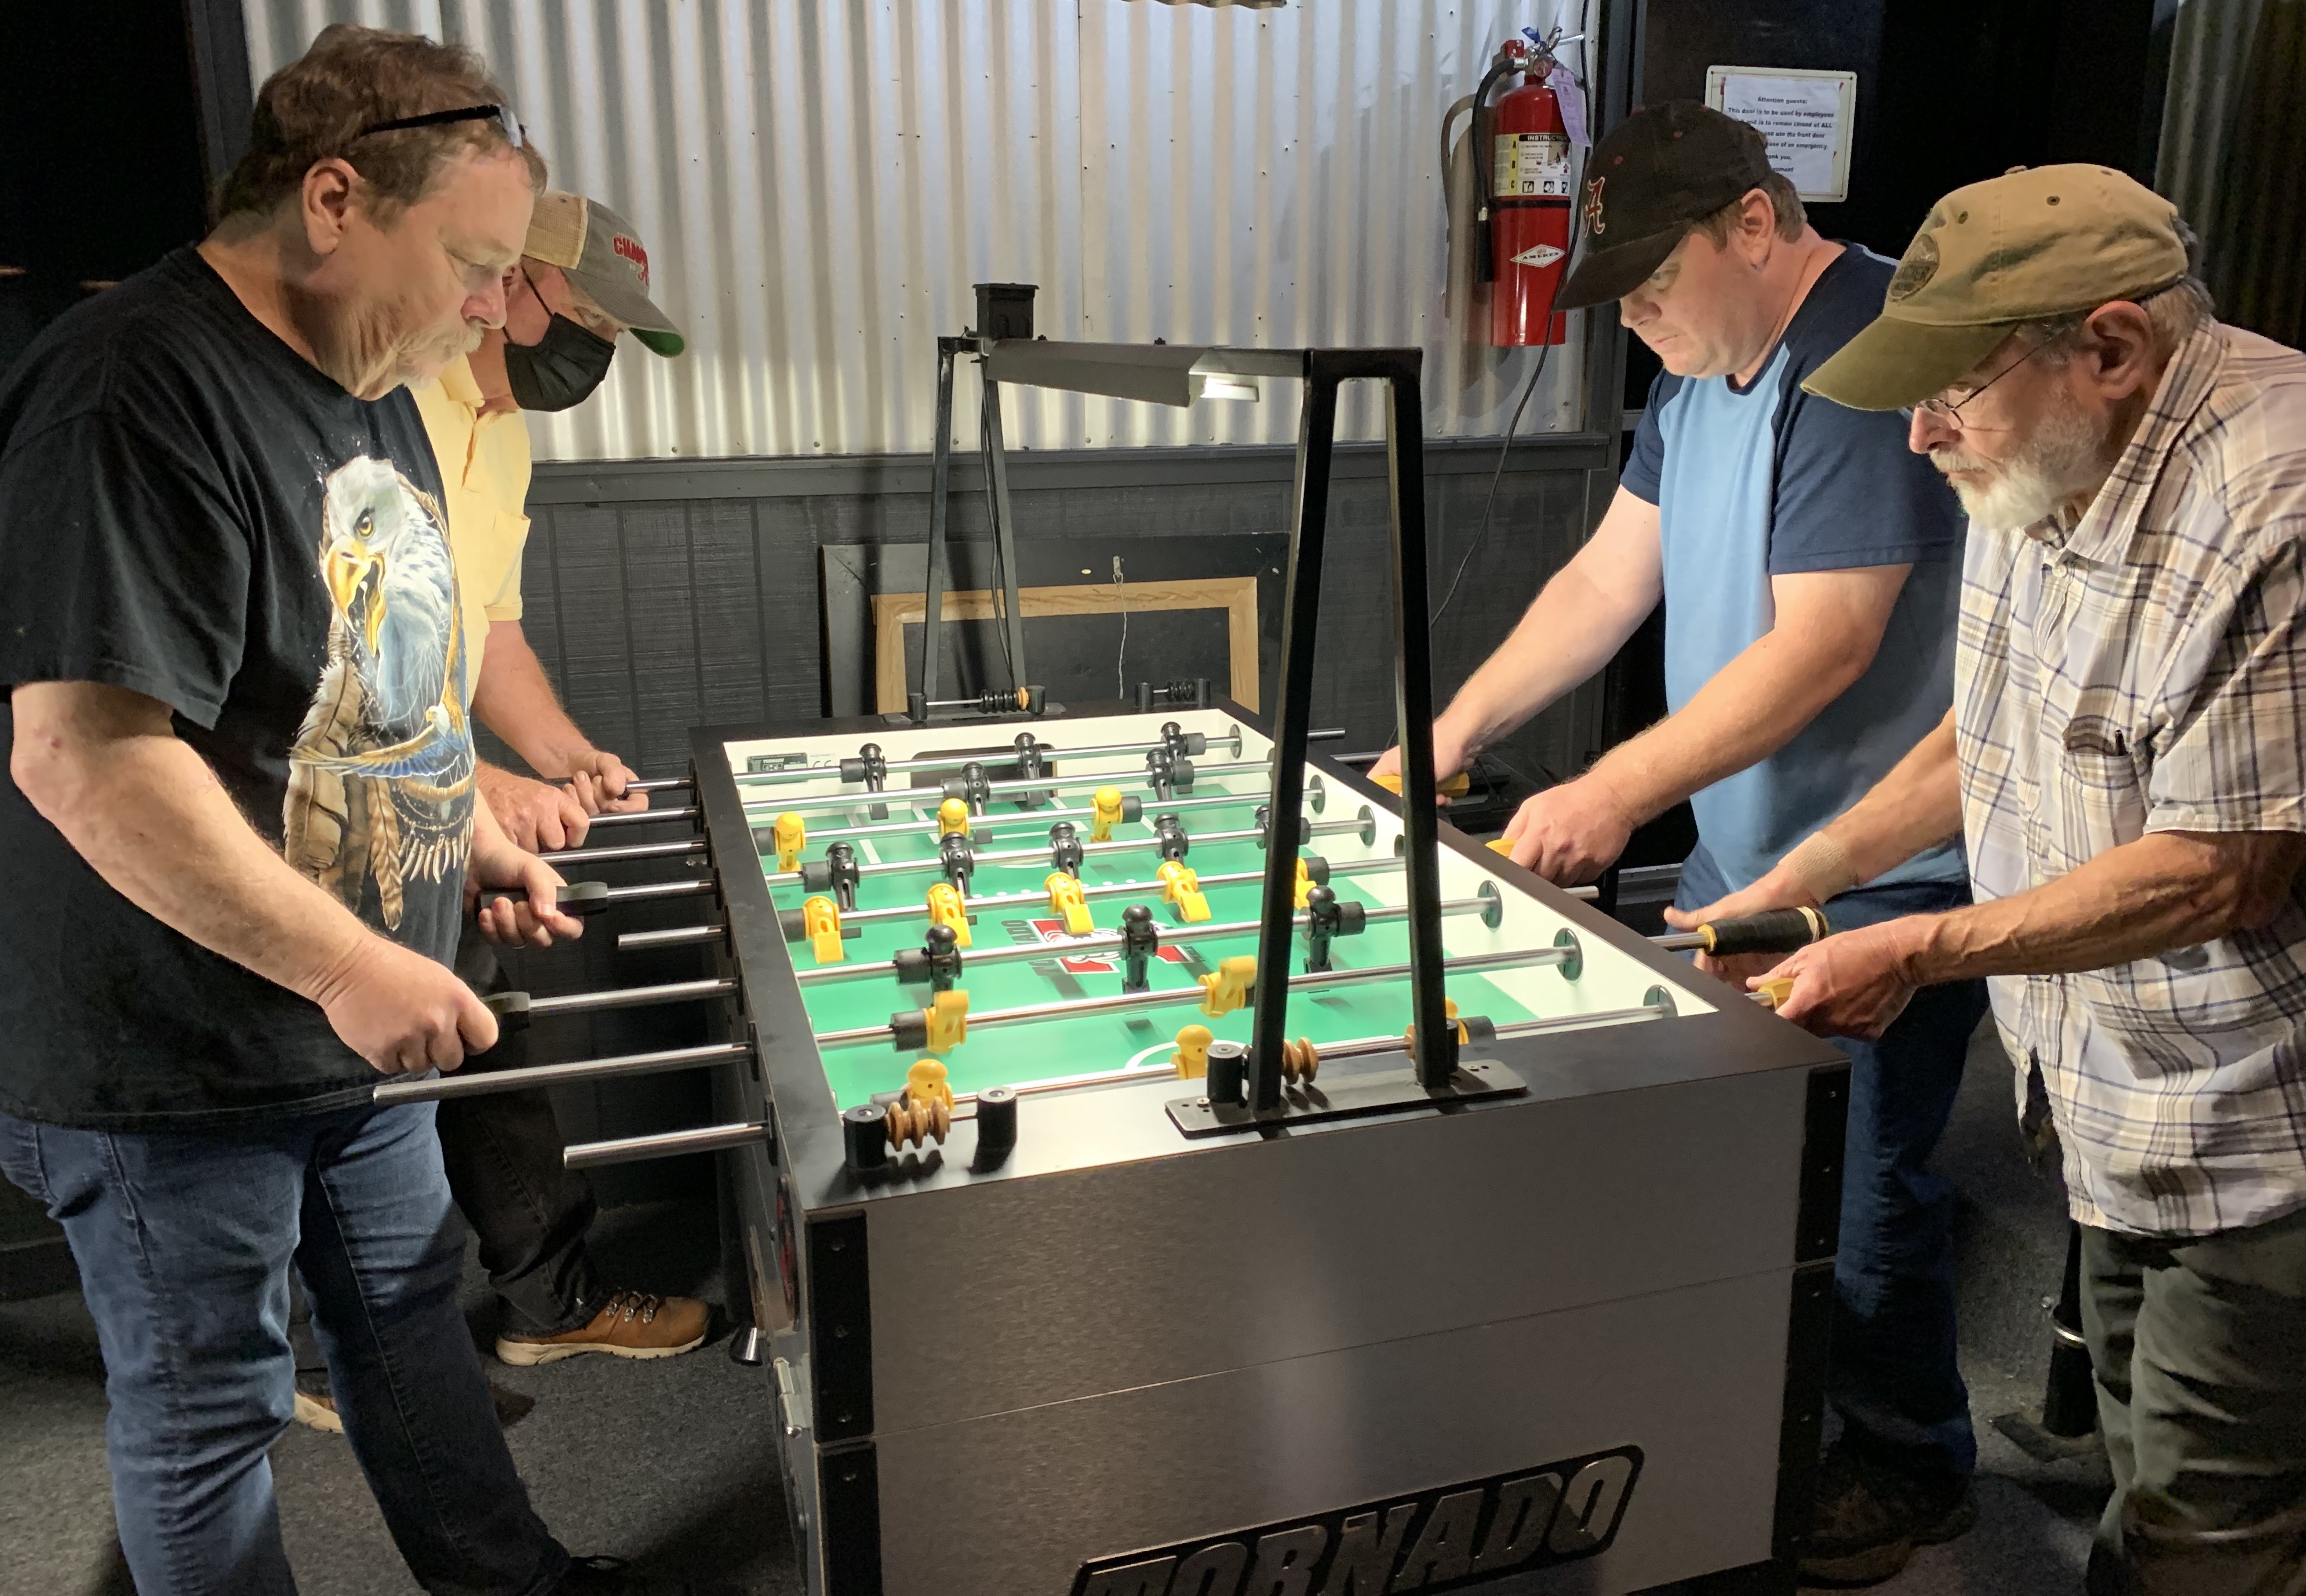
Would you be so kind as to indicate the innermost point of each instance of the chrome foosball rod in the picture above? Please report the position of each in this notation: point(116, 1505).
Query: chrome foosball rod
point(870, 763)
point(1487, 905)
point(1181, 780)
point(905, 1034)
point(441, 1087)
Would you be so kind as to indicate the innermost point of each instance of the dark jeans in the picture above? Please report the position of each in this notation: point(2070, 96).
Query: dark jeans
point(502, 1155)
point(184, 1241)
point(502, 1152)
point(2200, 1350)
point(1892, 1377)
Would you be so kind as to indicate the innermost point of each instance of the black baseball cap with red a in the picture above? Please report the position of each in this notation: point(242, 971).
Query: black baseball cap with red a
point(1658, 173)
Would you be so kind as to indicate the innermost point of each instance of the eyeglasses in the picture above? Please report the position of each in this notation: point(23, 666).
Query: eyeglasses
point(506, 123)
point(1950, 410)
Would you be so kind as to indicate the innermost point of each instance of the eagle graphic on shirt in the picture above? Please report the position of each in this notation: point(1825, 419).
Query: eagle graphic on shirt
point(380, 777)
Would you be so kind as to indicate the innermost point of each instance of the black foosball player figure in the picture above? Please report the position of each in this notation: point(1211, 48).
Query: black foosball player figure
point(1066, 849)
point(1169, 837)
point(975, 788)
point(840, 862)
point(836, 872)
point(937, 960)
point(1183, 744)
point(1265, 837)
point(958, 859)
point(1168, 773)
point(870, 767)
point(1031, 767)
point(1140, 938)
point(1321, 927)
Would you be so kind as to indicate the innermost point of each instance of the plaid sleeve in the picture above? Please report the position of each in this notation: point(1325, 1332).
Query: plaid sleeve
point(2232, 755)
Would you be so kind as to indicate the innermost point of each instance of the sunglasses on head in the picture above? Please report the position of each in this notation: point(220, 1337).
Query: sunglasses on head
point(506, 123)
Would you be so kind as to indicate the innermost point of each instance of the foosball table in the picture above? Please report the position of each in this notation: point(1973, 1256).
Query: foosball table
point(1164, 1162)
point(1052, 1306)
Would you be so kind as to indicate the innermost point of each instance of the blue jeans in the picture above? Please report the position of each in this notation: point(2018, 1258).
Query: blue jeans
point(1892, 1376)
point(184, 1240)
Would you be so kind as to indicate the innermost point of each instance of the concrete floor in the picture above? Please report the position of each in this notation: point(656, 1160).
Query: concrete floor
point(671, 1463)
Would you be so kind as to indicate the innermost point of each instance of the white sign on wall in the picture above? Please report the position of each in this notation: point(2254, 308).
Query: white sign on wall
point(1806, 115)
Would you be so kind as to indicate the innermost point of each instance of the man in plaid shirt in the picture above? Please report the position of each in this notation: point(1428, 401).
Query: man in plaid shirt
point(2126, 758)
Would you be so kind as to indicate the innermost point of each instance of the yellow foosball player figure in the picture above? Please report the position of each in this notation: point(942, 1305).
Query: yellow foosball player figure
point(820, 921)
point(1191, 1059)
point(1104, 813)
point(948, 1026)
point(1227, 987)
point(952, 818)
point(1065, 899)
point(947, 908)
point(1180, 885)
point(925, 1113)
point(791, 836)
point(926, 1081)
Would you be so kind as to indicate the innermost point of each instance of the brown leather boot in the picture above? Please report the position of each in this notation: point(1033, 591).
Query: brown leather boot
point(630, 1325)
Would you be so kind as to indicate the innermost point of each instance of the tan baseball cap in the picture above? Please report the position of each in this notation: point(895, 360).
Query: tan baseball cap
point(603, 255)
point(2030, 245)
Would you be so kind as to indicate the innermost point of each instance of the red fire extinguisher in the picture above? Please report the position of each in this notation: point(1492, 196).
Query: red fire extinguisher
point(1526, 196)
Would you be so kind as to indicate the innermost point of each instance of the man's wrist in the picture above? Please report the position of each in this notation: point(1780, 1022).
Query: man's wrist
point(333, 963)
point(1611, 784)
point(1822, 866)
point(1929, 954)
point(565, 760)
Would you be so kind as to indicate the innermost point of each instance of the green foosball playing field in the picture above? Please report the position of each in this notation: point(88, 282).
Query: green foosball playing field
point(1052, 1047)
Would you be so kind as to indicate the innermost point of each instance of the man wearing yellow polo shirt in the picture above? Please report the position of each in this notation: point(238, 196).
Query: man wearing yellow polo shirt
point(583, 279)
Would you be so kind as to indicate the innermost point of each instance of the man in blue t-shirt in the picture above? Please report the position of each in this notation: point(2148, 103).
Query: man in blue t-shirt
point(1808, 565)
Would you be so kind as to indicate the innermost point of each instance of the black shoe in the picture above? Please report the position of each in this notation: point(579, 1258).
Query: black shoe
point(1868, 1519)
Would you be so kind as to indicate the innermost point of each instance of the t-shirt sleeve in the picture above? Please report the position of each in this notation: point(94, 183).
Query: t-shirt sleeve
point(2230, 743)
point(1645, 456)
point(121, 563)
point(1850, 493)
point(511, 536)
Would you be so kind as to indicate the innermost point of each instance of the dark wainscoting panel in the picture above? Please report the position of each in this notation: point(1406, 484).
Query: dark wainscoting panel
point(664, 594)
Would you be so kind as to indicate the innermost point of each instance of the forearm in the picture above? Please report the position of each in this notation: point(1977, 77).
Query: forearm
point(151, 817)
point(1568, 633)
point(515, 699)
point(2166, 890)
point(1753, 706)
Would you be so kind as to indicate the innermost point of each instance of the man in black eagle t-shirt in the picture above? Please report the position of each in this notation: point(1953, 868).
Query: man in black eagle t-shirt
point(239, 826)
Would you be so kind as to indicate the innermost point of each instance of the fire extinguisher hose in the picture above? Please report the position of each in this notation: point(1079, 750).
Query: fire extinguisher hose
point(1484, 268)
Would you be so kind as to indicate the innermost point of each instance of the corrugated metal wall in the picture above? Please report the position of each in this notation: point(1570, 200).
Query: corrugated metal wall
point(820, 181)
point(2234, 154)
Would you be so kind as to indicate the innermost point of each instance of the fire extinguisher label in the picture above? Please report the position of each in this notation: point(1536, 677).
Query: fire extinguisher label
point(1541, 256)
point(1533, 165)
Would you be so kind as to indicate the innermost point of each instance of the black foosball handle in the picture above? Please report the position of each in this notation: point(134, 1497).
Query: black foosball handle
point(578, 898)
point(1772, 931)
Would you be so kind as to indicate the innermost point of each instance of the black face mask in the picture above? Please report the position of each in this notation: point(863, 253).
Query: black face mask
point(560, 369)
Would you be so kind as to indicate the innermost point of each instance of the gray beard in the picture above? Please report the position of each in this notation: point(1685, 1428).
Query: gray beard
point(2065, 458)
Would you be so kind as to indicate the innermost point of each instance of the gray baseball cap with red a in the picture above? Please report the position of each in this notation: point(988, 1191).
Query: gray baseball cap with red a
point(1658, 173)
point(600, 253)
